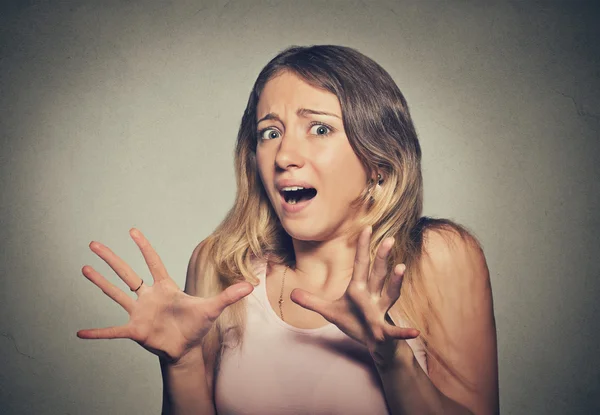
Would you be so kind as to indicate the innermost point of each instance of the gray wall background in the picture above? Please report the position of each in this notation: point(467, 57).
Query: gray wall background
point(124, 113)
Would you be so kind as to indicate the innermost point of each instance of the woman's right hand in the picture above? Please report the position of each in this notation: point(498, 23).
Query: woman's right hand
point(164, 319)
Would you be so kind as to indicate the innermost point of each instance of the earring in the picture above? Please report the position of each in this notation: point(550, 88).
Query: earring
point(379, 178)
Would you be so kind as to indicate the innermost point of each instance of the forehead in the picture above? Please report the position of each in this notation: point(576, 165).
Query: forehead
point(288, 91)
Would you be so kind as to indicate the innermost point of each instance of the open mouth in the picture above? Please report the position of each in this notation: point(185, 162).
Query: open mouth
point(298, 195)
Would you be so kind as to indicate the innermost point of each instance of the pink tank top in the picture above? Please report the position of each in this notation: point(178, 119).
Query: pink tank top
point(282, 369)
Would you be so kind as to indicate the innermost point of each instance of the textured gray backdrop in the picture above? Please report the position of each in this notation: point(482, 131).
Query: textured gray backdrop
point(117, 114)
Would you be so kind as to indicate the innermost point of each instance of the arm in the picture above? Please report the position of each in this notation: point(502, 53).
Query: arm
point(458, 288)
point(187, 386)
point(167, 321)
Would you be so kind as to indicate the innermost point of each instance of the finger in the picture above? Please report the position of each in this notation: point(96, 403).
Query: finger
point(109, 289)
point(155, 264)
point(120, 267)
point(401, 332)
point(362, 258)
point(120, 332)
point(312, 302)
point(380, 267)
point(392, 291)
point(227, 297)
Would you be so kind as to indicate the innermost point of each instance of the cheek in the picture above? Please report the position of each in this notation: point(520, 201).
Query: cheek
point(344, 173)
point(261, 166)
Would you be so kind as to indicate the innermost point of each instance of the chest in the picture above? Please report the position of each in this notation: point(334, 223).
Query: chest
point(283, 371)
point(294, 314)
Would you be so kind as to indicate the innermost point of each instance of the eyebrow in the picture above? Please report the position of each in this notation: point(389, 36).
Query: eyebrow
point(302, 112)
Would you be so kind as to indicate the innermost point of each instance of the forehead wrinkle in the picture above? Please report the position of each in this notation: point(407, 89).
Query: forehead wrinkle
point(305, 112)
point(301, 112)
point(270, 116)
point(291, 89)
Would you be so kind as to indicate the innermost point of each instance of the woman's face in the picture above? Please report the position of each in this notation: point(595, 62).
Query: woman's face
point(297, 145)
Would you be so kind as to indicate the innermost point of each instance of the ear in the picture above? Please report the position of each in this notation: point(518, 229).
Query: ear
point(378, 178)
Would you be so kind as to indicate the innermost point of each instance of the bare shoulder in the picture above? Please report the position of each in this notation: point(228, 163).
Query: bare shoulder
point(452, 255)
point(196, 265)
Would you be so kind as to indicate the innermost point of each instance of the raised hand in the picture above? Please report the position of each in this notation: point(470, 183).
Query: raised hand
point(361, 311)
point(164, 320)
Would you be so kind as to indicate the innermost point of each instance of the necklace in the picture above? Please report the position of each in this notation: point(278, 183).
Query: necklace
point(281, 294)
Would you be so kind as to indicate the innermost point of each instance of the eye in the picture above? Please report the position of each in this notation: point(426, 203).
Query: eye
point(272, 133)
point(320, 129)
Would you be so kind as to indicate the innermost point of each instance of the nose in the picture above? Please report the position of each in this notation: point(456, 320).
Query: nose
point(290, 152)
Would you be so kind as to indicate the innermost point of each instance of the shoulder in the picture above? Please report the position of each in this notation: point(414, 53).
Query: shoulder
point(455, 276)
point(196, 266)
point(450, 254)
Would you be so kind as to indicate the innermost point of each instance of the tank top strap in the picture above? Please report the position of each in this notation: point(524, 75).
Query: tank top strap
point(259, 295)
point(260, 272)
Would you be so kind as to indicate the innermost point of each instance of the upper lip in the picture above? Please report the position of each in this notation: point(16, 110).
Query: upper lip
point(292, 182)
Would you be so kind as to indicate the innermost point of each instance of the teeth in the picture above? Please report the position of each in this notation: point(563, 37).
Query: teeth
point(290, 188)
point(292, 201)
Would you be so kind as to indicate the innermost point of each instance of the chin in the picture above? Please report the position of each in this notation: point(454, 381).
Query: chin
point(300, 233)
point(309, 233)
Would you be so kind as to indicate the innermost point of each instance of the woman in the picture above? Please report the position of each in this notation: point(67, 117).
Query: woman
point(293, 304)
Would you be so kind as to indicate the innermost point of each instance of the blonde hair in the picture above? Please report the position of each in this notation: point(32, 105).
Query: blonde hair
point(380, 130)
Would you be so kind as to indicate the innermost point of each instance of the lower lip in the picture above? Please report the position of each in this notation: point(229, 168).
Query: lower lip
point(296, 207)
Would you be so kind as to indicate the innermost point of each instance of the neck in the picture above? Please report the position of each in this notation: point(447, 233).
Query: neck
point(325, 263)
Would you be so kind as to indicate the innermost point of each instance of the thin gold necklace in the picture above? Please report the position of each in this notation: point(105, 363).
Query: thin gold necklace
point(281, 293)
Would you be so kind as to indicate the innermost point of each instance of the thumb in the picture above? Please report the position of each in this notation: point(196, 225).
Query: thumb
point(310, 301)
point(401, 332)
point(227, 297)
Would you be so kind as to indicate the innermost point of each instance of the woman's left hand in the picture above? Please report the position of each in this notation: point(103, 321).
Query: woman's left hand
point(361, 311)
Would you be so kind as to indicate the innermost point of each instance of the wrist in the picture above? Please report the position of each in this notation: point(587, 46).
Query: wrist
point(401, 356)
point(193, 359)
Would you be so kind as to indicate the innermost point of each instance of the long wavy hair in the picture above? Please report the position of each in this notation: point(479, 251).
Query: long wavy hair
point(381, 132)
